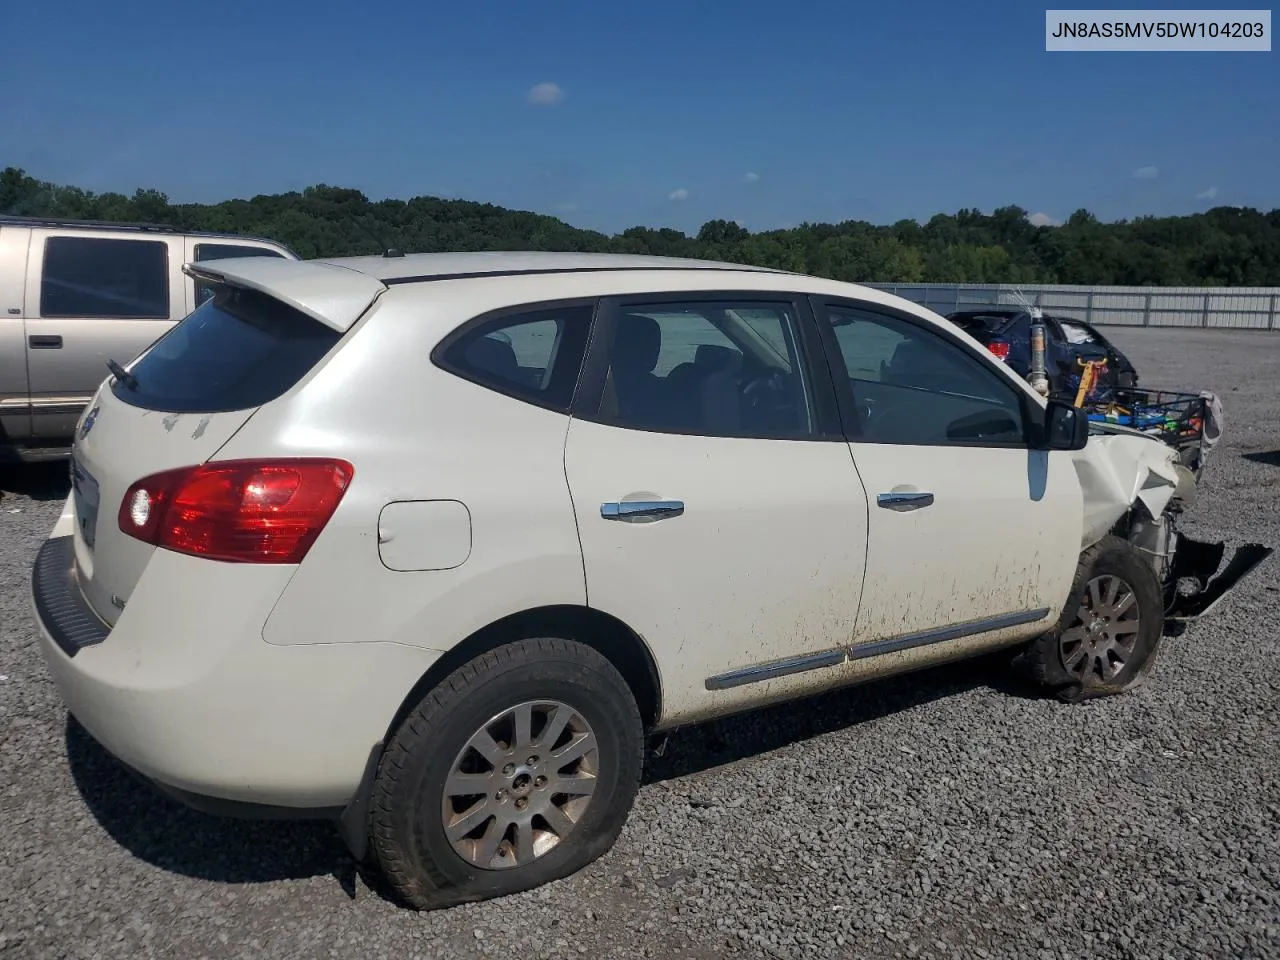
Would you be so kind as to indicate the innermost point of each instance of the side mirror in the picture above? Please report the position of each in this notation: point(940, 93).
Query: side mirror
point(1065, 427)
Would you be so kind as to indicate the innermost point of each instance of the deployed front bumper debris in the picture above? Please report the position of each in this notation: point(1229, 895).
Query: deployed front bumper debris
point(1194, 565)
point(1137, 486)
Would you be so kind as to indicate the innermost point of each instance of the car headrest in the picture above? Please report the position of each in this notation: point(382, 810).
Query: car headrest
point(714, 357)
point(637, 343)
point(493, 356)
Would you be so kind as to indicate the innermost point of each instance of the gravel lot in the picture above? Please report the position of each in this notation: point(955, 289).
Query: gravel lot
point(944, 814)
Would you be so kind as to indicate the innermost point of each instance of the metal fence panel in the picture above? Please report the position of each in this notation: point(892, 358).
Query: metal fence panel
point(1228, 308)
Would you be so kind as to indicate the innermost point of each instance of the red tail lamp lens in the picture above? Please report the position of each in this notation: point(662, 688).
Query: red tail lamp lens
point(241, 511)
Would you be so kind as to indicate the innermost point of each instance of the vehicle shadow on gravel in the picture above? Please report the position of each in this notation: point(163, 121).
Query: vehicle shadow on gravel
point(1270, 458)
point(694, 749)
point(36, 481)
point(166, 834)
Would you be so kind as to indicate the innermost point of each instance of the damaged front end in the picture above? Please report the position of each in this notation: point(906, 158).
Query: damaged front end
point(1137, 487)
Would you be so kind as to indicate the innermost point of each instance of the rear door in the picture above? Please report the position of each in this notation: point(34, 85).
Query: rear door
point(971, 533)
point(15, 411)
point(717, 505)
point(93, 297)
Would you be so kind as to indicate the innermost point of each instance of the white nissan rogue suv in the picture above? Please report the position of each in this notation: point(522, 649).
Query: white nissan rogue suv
point(429, 543)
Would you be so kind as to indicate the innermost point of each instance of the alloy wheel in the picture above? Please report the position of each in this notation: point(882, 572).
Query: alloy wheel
point(1099, 642)
point(521, 785)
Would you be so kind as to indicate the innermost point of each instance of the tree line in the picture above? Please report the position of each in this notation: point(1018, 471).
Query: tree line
point(1225, 246)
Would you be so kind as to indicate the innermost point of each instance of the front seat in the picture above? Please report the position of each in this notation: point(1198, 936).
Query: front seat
point(495, 357)
point(918, 364)
point(718, 398)
point(637, 342)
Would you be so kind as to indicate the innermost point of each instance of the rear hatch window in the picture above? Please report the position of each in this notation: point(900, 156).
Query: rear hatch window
point(237, 351)
point(981, 326)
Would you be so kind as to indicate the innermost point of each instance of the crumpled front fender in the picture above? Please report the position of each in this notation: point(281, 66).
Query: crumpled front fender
point(1117, 470)
point(1120, 469)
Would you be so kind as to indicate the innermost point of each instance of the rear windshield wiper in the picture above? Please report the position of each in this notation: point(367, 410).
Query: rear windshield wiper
point(123, 375)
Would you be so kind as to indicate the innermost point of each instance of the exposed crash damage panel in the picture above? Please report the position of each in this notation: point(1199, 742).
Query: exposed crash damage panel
point(1119, 468)
point(1135, 486)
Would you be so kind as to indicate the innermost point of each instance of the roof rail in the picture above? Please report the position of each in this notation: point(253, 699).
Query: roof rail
point(25, 221)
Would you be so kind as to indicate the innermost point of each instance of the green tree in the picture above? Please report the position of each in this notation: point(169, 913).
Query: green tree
point(1223, 246)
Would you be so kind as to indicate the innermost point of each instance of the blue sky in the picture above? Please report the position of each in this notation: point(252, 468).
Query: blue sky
point(662, 113)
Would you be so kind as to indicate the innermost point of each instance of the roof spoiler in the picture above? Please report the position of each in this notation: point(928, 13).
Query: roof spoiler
point(333, 295)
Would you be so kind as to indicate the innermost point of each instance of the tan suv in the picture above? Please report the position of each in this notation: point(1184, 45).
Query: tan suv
point(77, 294)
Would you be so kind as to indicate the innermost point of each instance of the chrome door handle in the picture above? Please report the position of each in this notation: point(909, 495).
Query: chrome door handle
point(632, 511)
point(904, 501)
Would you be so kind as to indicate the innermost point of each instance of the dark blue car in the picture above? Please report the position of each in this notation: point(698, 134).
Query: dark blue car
point(1068, 342)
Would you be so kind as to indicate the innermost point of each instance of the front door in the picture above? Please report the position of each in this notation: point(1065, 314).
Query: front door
point(973, 536)
point(717, 505)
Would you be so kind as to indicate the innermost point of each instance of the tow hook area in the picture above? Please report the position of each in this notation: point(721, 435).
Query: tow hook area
point(1198, 561)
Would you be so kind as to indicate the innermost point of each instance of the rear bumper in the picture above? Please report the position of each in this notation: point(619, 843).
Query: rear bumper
point(184, 690)
point(71, 622)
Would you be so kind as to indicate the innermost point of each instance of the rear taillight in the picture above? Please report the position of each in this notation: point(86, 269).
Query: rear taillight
point(240, 511)
point(1000, 349)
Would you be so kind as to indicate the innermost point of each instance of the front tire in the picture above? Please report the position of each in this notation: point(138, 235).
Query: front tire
point(1108, 637)
point(519, 768)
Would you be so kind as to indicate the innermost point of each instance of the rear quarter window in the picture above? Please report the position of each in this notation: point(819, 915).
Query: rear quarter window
point(239, 350)
point(533, 355)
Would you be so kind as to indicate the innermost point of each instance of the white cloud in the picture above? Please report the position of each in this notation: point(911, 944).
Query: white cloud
point(680, 194)
point(1042, 220)
point(1207, 194)
point(545, 94)
point(1146, 173)
point(750, 177)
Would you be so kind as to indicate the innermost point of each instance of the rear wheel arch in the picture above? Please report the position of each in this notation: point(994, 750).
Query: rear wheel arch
point(607, 635)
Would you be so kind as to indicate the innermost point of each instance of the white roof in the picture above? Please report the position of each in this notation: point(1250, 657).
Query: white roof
point(336, 292)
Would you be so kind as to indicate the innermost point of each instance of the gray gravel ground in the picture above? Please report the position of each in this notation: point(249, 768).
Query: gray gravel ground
point(945, 814)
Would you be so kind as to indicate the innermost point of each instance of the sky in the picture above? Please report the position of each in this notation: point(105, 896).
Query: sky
point(610, 115)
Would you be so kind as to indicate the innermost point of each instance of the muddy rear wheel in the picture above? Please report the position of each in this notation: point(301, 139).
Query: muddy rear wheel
point(517, 769)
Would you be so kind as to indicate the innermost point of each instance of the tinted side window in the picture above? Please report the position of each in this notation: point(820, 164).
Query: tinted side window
point(534, 356)
point(101, 277)
point(224, 251)
point(723, 369)
point(913, 386)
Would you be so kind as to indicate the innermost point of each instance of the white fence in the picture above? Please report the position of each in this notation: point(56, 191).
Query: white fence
point(1236, 308)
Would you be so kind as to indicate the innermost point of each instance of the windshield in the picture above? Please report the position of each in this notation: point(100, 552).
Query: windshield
point(1075, 333)
point(239, 350)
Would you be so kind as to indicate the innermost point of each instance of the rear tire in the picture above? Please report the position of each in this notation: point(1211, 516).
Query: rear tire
point(1108, 637)
point(464, 803)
